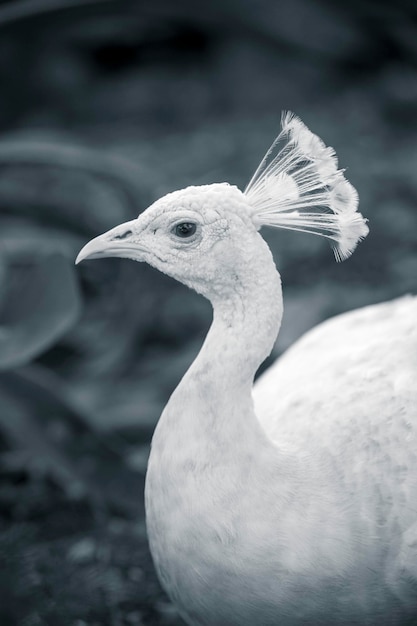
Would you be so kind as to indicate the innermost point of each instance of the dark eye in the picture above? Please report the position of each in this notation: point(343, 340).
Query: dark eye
point(185, 229)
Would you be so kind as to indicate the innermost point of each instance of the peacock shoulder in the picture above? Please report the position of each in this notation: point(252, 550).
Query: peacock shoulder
point(347, 391)
point(342, 360)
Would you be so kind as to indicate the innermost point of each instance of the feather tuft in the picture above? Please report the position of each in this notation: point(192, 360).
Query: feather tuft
point(343, 197)
point(298, 186)
point(286, 184)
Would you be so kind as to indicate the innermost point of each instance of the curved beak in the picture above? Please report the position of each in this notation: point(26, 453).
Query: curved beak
point(120, 241)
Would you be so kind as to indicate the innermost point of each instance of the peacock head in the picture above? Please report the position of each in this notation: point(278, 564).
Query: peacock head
point(197, 235)
point(204, 235)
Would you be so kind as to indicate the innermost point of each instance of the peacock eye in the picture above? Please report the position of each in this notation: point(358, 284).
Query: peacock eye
point(185, 229)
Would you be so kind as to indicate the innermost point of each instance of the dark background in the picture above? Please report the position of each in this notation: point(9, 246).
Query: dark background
point(104, 107)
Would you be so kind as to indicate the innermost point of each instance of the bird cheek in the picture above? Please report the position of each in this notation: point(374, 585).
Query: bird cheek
point(219, 230)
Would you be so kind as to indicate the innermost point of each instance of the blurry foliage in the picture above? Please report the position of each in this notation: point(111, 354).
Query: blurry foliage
point(39, 302)
point(105, 106)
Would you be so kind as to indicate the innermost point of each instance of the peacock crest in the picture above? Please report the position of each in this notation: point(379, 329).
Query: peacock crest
point(298, 186)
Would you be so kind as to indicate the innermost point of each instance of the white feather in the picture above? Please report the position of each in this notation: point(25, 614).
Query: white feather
point(298, 186)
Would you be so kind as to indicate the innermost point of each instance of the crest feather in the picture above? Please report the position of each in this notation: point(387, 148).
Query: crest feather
point(298, 186)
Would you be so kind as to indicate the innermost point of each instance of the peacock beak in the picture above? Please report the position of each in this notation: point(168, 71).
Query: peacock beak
point(120, 241)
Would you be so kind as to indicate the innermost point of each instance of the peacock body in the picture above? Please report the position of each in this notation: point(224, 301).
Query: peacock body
point(291, 501)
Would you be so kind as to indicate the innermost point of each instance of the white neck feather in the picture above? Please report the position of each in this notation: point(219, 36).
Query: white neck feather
point(245, 323)
point(213, 402)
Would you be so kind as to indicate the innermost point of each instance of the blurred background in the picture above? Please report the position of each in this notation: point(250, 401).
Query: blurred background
point(104, 107)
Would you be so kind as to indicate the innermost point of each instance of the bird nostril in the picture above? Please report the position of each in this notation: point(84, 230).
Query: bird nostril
point(124, 235)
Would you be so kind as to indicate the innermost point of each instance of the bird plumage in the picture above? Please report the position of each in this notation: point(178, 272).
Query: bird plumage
point(298, 186)
point(291, 502)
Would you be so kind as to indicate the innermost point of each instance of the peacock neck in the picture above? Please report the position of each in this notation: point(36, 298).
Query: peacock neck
point(213, 402)
point(246, 321)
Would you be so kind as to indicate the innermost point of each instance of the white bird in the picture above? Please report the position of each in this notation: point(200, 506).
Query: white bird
point(294, 501)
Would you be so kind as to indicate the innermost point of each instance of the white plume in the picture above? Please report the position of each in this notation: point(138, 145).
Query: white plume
point(298, 186)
